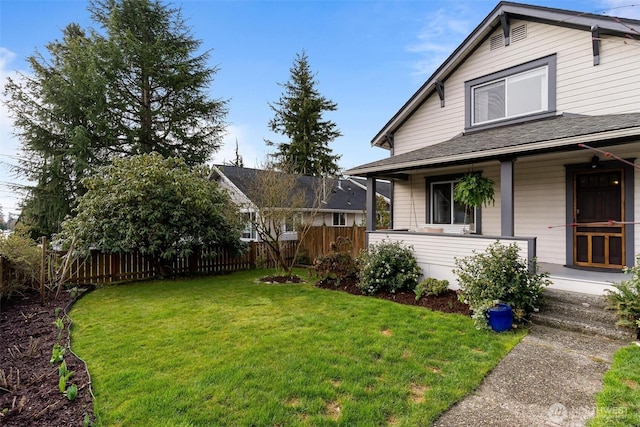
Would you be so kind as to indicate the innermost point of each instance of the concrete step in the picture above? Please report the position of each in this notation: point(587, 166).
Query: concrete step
point(602, 329)
point(585, 300)
point(580, 311)
point(573, 311)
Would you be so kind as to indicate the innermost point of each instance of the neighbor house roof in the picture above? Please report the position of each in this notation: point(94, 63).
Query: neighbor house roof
point(341, 194)
point(383, 188)
point(557, 133)
point(581, 21)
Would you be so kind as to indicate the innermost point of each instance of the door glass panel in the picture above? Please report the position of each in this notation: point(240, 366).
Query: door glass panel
point(582, 254)
point(615, 250)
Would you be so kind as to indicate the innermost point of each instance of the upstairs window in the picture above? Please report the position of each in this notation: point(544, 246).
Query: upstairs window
point(512, 94)
point(524, 93)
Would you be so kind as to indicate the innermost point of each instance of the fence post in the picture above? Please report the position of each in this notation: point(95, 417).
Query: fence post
point(252, 254)
point(324, 239)
point(43, 267)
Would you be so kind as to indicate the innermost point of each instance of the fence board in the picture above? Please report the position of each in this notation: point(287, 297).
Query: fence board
point(104, 268)
point(318, 240)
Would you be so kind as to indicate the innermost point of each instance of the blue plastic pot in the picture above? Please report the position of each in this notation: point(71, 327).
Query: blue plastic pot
point(500, 318)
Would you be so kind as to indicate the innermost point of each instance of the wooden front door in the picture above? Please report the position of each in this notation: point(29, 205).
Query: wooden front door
point(598, 200)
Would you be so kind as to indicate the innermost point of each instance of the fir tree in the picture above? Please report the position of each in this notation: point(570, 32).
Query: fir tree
point(138, 86)
point(299, 117)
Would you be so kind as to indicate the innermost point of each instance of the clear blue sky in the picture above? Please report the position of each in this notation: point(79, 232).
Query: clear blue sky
point(369, 56)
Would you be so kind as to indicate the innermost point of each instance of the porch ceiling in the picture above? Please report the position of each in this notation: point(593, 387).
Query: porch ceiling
point(559, 133)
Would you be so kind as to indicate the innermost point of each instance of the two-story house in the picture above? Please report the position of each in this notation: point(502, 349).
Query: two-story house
point(546, 103)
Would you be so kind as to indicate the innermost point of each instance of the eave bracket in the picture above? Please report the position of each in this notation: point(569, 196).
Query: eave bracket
point(595, 42)
point(506, 30)
point(440, 90)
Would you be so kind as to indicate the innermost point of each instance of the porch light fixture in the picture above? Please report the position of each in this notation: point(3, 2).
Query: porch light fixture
point(595, 161)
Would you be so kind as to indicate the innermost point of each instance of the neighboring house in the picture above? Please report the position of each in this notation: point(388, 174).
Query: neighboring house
point(513, 102)
point(343, 203)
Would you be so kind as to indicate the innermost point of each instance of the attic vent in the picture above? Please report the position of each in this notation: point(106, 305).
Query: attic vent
point(496, 41)
point(518, 33)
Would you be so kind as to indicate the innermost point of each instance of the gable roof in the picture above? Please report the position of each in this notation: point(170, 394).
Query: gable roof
point(559, 133)
point(383, 187)
point(577, 20)
point(342, 194)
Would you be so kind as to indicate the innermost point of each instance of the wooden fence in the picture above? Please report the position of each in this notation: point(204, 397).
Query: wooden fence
point(318, 240)
point(103, 268)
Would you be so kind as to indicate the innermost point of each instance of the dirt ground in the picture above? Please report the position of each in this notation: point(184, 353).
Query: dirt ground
point(447, 302)
point(29, 393)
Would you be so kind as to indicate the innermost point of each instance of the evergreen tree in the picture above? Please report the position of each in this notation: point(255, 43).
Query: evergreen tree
point(139, 86)
point(238, 162)
point(157, 83)
point(59, 110)
point(299, 117)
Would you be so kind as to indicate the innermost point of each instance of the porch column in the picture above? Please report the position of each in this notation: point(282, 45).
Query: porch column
point(506, 197)
point(371, 203)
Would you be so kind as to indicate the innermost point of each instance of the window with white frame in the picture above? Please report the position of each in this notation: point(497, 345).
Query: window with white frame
point(290, 225)
point(513, 93)
point(249, 232)
point(339, 219)
point(445, 210)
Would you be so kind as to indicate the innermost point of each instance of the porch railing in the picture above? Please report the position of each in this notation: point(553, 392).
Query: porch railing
point(436, 252)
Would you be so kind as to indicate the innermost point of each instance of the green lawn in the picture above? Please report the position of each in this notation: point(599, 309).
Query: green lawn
point(227, 351)
point(618, 404)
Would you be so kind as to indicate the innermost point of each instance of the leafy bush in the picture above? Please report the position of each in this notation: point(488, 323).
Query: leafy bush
point(430, 287)
point(339, 264)
point(499, 275)
point(388, 266)
point(625, 299)
point(23, 256)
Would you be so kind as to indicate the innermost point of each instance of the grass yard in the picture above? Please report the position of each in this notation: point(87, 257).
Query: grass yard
point(228, 351)
point(618, 404)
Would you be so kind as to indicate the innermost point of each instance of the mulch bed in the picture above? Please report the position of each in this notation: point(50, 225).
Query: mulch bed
point(447, 302)
point(29, 394)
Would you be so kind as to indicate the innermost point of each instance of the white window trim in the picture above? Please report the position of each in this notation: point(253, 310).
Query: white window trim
point(549, 61)
point(339, 215)
point(452, 222)
point(507, 80)
point(249, 228)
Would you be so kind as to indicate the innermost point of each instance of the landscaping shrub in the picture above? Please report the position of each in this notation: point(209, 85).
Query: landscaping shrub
point(388, 266)
point(339, 264)
point(499, 275)
point(23, 256)
point(430, 287)
point(625, 299)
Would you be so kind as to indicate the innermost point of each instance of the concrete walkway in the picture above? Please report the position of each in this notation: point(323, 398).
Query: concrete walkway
point(549, 379)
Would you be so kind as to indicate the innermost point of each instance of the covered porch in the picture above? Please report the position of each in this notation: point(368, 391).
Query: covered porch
point(436, 254)
point(569, 207)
